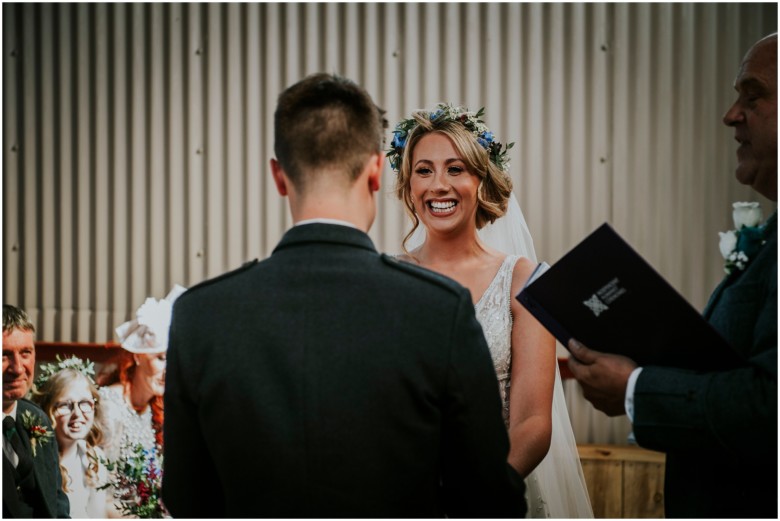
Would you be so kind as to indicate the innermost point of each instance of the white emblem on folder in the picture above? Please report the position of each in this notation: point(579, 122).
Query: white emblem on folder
point(596, 305)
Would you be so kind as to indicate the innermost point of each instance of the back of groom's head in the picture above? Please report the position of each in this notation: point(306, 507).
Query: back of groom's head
point(326, 122)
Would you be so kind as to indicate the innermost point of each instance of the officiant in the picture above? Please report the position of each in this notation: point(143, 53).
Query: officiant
point(718, 429)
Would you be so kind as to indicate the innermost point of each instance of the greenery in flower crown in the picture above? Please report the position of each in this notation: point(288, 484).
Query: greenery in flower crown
point(497, 152)
point(137, 483)
point(86, 368)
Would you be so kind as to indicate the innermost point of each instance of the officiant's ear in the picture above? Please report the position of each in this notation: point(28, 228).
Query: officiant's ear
point(279, 178)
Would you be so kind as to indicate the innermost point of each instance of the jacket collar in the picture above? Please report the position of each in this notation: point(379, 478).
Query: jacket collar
point(325, 233)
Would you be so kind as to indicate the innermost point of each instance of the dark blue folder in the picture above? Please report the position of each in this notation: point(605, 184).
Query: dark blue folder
point(604, 294)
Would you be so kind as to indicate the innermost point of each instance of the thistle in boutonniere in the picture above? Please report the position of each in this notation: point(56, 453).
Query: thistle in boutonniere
point(740, 246)
point(39, 434)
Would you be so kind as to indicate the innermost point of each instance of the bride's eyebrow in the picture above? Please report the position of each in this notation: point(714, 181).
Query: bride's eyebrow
point(446, 161)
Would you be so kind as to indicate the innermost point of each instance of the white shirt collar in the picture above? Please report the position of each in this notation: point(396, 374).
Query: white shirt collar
point(323, 220)
point(12, 414)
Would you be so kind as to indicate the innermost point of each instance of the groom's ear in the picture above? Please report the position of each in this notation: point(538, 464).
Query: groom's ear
point(280, 180)
point(376, 166)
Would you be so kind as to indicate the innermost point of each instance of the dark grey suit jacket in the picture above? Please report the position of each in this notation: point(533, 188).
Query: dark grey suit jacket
point(719, 430)
point(331, 381)
point(48, 499)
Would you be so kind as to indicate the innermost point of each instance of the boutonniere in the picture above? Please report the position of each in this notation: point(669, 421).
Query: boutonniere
point(39, 434)
point(740, 246)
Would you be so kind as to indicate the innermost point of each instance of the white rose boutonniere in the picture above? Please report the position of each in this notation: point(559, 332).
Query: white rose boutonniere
point(740, 246)
point(746, 214)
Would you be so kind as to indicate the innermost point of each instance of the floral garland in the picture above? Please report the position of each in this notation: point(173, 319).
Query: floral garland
point(740, 246)
point(86, 368)
point(38, 433)
point(497, 152)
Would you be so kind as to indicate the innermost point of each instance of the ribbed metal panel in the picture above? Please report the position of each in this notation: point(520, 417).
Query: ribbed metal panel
point(137, 136)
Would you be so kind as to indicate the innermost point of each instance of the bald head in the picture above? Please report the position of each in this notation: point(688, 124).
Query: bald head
point(754, 117)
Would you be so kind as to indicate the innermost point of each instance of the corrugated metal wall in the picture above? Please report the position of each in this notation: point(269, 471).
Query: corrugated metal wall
point(137, 136)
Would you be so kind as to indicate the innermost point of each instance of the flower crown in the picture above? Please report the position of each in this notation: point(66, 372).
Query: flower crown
point(48, 370)
point(497, 152)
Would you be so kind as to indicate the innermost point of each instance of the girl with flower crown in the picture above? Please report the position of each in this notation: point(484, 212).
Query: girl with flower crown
point(67, 393)
point(452, 178)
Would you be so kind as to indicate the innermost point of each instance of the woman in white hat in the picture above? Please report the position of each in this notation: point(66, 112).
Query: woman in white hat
point(132, 395)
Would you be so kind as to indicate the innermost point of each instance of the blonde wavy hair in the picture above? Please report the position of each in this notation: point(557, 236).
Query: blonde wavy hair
point(495, 186)
point(49, 394)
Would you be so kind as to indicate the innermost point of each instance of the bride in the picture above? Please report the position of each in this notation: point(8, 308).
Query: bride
point(452, 178)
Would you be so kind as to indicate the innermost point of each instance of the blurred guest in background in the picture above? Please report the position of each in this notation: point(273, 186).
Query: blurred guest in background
point(131, 396)
point(67, 393)
point(32, 482)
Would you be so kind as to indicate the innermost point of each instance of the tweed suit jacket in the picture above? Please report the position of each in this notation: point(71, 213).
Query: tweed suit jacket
point(331, 381)
point(719, 430)
point(48, 500)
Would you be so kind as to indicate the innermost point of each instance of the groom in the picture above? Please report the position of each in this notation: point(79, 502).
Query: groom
point(329, 380)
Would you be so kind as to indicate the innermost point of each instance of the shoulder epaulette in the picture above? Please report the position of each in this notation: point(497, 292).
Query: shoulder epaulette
point(423, 273)
point(245, 266)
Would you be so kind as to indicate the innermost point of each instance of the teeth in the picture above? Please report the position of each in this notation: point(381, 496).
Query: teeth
point(442, 206)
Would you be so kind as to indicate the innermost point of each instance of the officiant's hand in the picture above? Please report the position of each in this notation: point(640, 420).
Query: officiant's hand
point(603, 377)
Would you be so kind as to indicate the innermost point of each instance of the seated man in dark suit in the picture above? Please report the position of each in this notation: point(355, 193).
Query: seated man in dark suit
point(718, 429)
point(32, 482)
point(330, 380)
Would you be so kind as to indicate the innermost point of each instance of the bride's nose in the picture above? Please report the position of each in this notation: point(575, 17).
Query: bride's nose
point(439, 182)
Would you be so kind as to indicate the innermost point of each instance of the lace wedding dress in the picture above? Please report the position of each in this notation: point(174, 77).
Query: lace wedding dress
point(556, 487)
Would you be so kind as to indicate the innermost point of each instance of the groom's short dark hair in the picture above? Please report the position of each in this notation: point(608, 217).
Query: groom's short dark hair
point(326, 122)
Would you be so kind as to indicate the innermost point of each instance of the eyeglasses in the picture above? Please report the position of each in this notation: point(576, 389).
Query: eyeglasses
point(63, 408)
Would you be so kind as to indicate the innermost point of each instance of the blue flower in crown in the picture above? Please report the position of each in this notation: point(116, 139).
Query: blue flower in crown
point(436, 113)
point(399, 141)
point(485, 139)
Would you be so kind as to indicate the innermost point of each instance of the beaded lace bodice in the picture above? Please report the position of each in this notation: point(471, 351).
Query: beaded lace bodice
point(124, 427)
point(494, 313)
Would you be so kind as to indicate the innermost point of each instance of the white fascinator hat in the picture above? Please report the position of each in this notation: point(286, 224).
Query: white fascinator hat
point(148, 331)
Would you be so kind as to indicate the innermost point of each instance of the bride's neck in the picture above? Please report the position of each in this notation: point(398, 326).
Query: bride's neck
point(450, 248)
